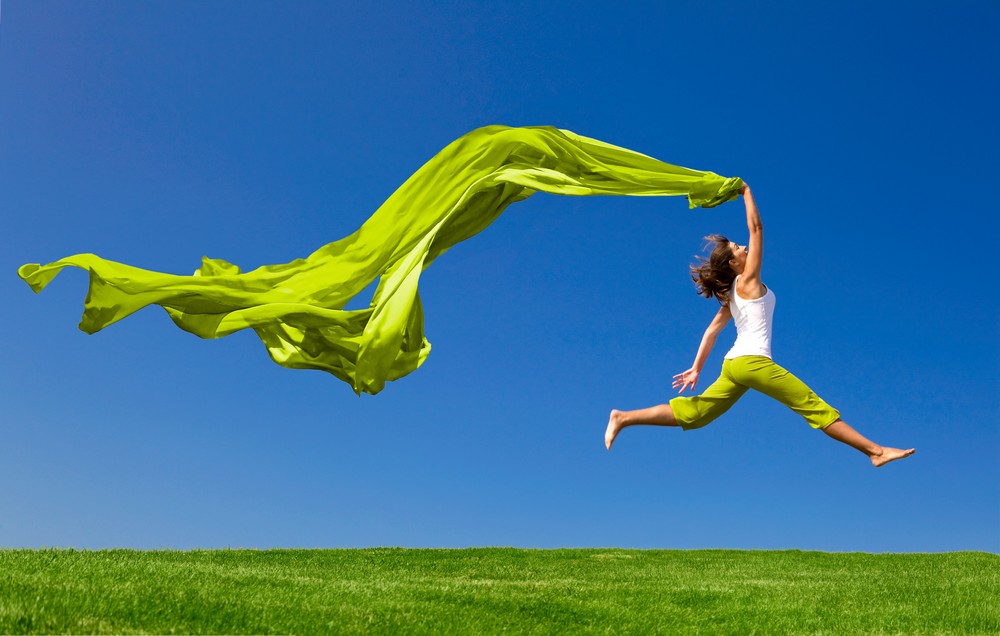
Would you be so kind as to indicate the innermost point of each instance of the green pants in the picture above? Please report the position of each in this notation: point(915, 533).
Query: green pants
point(761, 374)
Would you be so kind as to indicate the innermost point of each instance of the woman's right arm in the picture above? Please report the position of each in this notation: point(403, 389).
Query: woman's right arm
point(690, 377)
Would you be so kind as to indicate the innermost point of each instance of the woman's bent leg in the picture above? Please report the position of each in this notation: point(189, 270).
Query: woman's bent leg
point(661, 415)
point(686, 412)
point(880, 455)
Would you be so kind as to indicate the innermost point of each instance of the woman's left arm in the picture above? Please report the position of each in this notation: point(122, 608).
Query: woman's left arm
point(751, 271)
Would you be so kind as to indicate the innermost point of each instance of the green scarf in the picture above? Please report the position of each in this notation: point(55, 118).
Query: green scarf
point(297, 308)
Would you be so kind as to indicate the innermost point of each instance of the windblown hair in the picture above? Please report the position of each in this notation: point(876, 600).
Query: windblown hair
point(713, 276)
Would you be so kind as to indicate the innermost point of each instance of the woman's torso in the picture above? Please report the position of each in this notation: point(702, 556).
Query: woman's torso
point(753, 319)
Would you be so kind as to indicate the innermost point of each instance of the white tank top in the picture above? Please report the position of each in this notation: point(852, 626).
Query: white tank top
point(753, 323)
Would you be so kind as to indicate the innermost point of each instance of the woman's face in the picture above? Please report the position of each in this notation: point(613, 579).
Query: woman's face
point(739, 259)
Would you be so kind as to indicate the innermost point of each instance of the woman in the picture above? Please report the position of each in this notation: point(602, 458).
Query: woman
point(732, 276)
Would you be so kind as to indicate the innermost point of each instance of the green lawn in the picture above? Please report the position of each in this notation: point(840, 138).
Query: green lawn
point(493, 590)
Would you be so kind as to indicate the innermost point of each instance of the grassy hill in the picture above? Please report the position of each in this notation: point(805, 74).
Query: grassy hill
point(493, 590)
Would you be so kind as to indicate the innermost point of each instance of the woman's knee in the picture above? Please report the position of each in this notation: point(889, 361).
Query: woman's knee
point(698, 411)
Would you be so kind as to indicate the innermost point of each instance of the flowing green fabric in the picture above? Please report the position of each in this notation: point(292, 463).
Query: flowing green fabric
point(297, 308)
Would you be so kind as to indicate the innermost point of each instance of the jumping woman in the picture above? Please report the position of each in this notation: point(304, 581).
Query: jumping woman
point(732, 275)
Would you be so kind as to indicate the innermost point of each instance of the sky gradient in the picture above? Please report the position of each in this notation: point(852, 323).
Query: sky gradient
point(156, 133)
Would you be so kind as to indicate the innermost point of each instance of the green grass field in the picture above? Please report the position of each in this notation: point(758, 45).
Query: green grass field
point(493, 590)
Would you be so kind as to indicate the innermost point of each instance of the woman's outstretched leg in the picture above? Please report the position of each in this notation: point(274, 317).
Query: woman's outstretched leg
point(880, 455)
point(661, 415)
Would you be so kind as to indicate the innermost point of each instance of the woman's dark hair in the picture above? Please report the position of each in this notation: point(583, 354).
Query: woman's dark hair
point(713, 276)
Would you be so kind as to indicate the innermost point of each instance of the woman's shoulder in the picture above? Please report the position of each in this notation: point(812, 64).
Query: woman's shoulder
point(753, 289)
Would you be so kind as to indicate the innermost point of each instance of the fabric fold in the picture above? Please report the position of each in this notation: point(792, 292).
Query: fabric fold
point(297, 308)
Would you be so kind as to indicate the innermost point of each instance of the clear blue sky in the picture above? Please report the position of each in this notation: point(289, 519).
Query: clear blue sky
point(154, 133)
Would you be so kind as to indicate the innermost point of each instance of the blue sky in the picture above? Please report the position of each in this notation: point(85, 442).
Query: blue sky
point(158, 132)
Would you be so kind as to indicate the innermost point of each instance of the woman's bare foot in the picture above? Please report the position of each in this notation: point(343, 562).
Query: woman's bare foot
point(614, 426)
point(889, 454)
